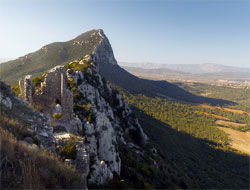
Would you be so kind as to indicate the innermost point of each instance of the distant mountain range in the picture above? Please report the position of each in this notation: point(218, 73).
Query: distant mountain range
point(188, 71)
point(188, 68)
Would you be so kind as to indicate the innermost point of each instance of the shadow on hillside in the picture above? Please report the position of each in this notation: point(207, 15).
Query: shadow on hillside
point(135, 85)
point(195, 160)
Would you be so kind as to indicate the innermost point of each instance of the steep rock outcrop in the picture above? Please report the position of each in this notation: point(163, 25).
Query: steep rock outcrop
point(103, 52)
point(106, 113)
point(99, 120)
point(90, 119)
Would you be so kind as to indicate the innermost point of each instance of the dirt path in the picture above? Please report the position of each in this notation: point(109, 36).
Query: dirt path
point(240, 140)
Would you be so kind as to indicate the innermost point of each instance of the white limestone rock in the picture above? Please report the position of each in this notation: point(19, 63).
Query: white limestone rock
point(103, 52)
point(100, 173)
point(119, 98)
point(107, 140)
point(58, 108)
point(82, 163)
point(6, 101)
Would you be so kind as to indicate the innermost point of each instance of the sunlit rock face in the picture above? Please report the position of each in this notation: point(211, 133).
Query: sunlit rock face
point(85, 112)
point(103, 52)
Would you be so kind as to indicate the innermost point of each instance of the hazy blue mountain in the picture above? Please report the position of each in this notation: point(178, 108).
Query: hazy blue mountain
point(206, 71)
point(189, 68)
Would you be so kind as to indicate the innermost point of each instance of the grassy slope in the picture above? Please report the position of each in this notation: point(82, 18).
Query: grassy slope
point(58, 53)
point(23, 168)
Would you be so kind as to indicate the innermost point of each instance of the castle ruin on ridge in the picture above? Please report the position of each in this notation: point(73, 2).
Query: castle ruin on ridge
point(53, 91)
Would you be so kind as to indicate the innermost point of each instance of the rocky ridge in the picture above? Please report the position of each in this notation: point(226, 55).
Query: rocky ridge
point(80, 117)
point(108, 111)
point(101, 119)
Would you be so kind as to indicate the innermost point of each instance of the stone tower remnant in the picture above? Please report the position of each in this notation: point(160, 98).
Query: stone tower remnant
point(54, 91)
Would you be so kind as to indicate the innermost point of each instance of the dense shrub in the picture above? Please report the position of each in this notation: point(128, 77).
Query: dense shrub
point(75, 65)
point(15, 88)
point(69, 150)
point(57, 116)
point(38, 80)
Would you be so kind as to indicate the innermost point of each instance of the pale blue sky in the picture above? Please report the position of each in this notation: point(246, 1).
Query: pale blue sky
point(174, 31)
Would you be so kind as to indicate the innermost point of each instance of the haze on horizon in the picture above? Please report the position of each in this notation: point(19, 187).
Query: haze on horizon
point(173, 32)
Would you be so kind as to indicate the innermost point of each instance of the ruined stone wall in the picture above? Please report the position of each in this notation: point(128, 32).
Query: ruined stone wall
point(53, 89)
point(27, 88)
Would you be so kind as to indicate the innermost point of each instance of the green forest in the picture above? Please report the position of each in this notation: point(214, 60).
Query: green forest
point(234, 117)
point(179, 116)
point(191, 146)
point(241, 96)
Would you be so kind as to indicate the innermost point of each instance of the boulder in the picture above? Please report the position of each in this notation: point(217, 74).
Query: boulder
point(28, 140)
point(58, 108)
point(7, 102)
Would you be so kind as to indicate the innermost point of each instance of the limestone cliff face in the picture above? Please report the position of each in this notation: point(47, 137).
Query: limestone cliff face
point(103, 52)
point(86, 113)
point(84, 110)
point(106, 125)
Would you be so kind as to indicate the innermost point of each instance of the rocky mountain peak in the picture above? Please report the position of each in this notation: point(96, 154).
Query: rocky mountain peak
point(59, 53)
point(103, 51)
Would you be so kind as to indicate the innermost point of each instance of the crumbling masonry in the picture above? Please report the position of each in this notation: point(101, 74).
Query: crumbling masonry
point(53, 91)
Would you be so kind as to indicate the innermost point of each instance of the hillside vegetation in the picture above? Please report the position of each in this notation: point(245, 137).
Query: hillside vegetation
point(191, 146)
point(241, 96)
point(49, 56)
point(24, 167)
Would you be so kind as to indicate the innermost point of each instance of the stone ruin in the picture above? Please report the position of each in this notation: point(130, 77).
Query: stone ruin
point(54, 96)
